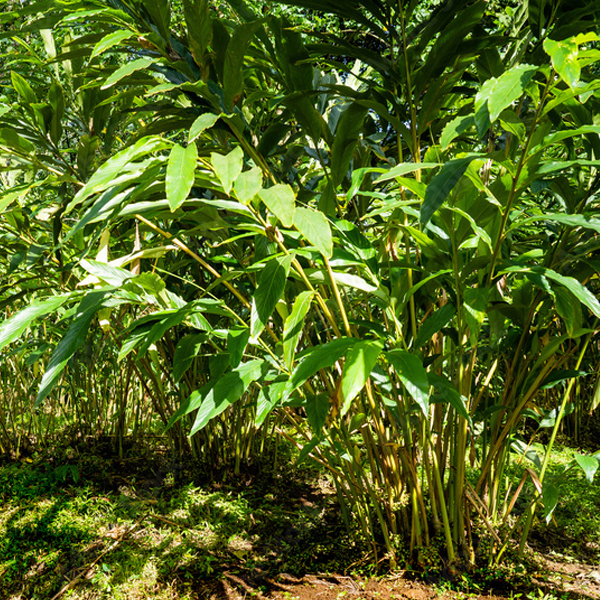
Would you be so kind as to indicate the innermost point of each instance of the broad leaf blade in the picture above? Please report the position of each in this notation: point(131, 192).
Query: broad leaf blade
point(292, 328)
point(228, 167)
point(442, 184)
point(12, 328)
point(271, 285)
point(180, 174)
point(413, 376)
point(318, 358)
point(72, 340)
point(280, 200)
point(360, 360)
point(313, 225)
point(227, 390)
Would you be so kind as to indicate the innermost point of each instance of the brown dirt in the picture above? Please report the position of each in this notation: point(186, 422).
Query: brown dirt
point(555, 580)
point(328, 587)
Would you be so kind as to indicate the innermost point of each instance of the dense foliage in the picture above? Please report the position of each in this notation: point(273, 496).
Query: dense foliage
point(374, 238)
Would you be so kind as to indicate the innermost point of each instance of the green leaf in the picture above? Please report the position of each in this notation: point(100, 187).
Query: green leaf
point(448, 393)
point(442, 184)
point(280, 200)
point(23, 88)
point(576, 288)
point(203, 122)
point(292, 327)
point(455, 128)
point(197, 19)
point(271, 285)
point(501, 92)
point(563, 55)
point(160, 12)
point(71, 342)
point(268, 397)
point(412, 374)
point(128, 69)
point(186, 350)
point(589, 465)
point(346, 138)
point(107, 273)
point(313, 225)
point(360, 360)
point(247, 185)
point(473, 310)
point(228, 167)
point(227, 390)
point(440, 318)
point(180, 174)
point(317, 409)
point(318, 358)
point(111, 169)
point(403, 169)
point(13, 327)
point(110, 41)
point(550, 495)
point(233, 77)
point(237, 340)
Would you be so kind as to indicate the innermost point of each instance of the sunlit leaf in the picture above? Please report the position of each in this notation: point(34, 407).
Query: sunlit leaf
point(180, 174)
point(280, 200)
point(313, 225)
point(360, 360)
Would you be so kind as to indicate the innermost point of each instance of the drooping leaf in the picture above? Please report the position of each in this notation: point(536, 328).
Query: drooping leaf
point(360, 360)
point(292, 327)
point(448, 393)
point(455, 128)
point(412, 374)
point(71, 342)
point(227, 390)
point(442, 184)
point(13, 327)
point(346, 138)
point(180, 174)
point(268, 398)
point(110, 41)
point(233, 77)
point(313, 225)
point(127, 69)
point(271, 285)
point(317, 409)
point(186, 350)
point(160, 11)
point(237, 340)
point(203, 122)
point(440, 318)
point(405, 168)
point(317, 358)
point(197, 19)
point(576, 288)
point(228, 167)
point(280, 200)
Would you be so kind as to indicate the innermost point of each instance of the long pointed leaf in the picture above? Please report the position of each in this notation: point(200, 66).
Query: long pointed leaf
point(180, 174)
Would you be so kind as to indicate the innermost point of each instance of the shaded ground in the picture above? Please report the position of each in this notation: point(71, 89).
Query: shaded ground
point(81, 523)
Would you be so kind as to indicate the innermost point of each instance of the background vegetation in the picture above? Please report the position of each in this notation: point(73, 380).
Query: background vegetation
point(367, 230)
